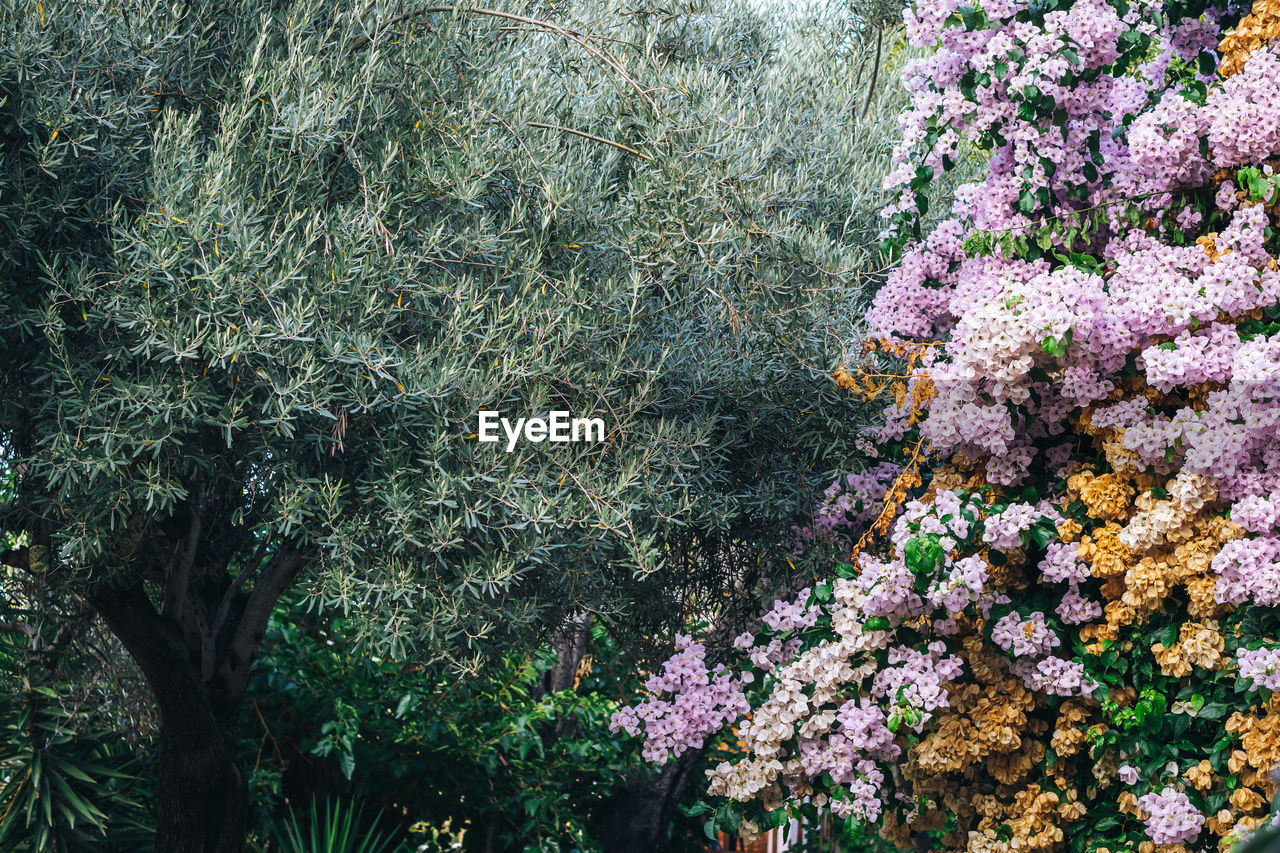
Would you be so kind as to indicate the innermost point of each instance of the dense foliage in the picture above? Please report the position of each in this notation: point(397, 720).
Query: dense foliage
point(263, 264)
point(1067, 635)
point(512, 760)
point(301, 267)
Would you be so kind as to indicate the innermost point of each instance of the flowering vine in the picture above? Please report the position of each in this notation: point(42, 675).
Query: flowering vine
point(1065, 635)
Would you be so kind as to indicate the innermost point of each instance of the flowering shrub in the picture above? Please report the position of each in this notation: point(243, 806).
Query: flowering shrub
point(1068, 638)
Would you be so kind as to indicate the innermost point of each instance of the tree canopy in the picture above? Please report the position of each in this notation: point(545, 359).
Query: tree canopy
point(265, 263)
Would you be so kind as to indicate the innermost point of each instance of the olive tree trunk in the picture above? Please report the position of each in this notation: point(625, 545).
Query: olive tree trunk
point(636, 819)
point(196, 653)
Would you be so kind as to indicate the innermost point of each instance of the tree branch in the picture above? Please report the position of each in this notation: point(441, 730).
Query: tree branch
point(592, 137)
point(16, 558)
point(9, 512)
point(175, 590)
point(18, 628)
point(875, 71)
point(249, 568)
point(132, 618)
point(275, 579)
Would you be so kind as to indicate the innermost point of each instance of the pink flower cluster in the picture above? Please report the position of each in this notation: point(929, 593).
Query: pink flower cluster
point(1059, 677)
point(1205, 355)
point(962, 585)
point(795, 615)
point(917, 681)
point(1257, 513)
point(1077, 608)
point(1062, 564)
point(1003, 530)
point(1245, 111)
point(865, 726)
point(1262, 665)
point(1173, 819)
point(865, 800)
point(1029, 637)
point(1249, 570)
point(949, 516)
point(702, 702)
point(1165, 144)
point(887, 589)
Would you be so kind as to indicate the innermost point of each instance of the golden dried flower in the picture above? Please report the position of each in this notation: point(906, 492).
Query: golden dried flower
point(1203, 602)
point(1106, 554)
point(1106, 497)
point(1171, 660)
point(1247, 800)
point(1201, 643)
point(1221, 823)
point(1200, 776)
point(1259, 27)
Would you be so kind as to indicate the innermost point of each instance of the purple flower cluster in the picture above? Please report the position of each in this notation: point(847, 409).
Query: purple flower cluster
point(865, 800)
point(1059, 677)
point(701, 703)
point(1062, 564)
point(793, 615)
point(1245, 112)
point(849, 503)
point(1165, 144)
point(1249, 570)
point(1077, 608)
point(1009, 311)
point(1024, 638)
point(1173, 819)
point(1262, 665)
point(917, 681)
point(888, 589)
point(1205, 355)
point(962, 585)
point(1257, 513)
point(1003, 530)
point(768, 656)
point(837, 755)
point(864, 725)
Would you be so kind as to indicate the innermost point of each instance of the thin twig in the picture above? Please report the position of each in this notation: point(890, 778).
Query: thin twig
point(875, 73)
point(593, 138)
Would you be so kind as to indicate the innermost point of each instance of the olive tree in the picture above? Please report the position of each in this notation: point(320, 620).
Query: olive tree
point(265, 263)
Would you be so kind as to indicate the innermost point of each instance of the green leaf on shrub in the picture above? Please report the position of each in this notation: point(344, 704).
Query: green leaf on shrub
point(1214, 711)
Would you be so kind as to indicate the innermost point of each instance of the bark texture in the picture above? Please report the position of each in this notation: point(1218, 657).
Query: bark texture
point(196, 652)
